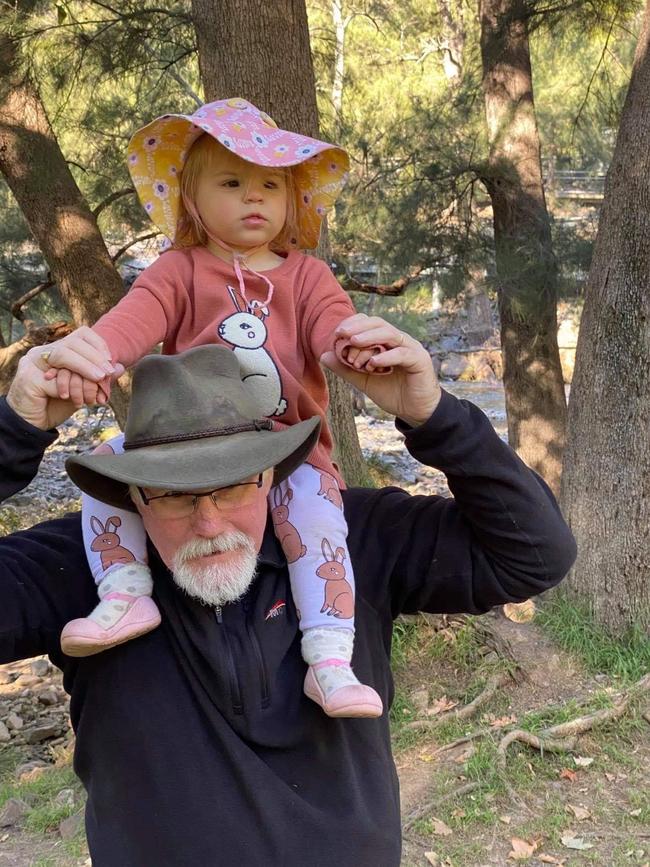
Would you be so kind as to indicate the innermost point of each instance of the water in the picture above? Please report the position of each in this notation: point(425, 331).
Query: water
point(488, 396)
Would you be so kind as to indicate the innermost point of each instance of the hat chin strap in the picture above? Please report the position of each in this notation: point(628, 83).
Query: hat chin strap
point(238, 261)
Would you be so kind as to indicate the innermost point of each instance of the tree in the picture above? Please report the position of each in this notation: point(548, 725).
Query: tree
point(525, 264)
point(61, 221)
point(606, 481)
point(268, 62)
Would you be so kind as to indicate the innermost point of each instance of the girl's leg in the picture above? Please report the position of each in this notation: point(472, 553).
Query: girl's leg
point(308, 519)
point(116, 548)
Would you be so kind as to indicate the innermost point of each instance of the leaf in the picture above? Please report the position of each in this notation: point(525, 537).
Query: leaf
point(432, 858)
point(572, 842)
point(505, 819)
point(502, 721)
point(582, 761)
point(440, 828)
point(522, 850)
point(581, 813)
point(568, 774)
point(635, 813)
point(549, 859)
point(520, 612)
point(440, 706)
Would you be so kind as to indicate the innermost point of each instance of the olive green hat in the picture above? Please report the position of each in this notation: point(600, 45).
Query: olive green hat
point(192, 425)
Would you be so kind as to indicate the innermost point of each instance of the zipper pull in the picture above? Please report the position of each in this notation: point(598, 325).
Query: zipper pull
point(217, 614)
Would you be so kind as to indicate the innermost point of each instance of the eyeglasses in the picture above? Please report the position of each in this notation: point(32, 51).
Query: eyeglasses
point(181, 504)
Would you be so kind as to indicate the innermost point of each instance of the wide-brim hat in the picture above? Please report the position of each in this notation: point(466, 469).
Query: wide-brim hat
point(192, 425)
point(157, 154)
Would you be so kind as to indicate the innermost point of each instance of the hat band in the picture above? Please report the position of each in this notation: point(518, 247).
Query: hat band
point(258, 424)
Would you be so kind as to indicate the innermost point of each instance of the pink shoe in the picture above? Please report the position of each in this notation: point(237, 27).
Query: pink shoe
point(84, 637)
point(347, 701)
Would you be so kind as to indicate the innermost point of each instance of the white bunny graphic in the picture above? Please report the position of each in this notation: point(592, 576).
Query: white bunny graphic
point(246, 333)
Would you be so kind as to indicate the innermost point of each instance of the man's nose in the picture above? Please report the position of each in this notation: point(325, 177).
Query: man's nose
point(207, 520)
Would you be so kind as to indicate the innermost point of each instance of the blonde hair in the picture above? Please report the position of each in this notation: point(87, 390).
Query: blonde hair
point(190, 232)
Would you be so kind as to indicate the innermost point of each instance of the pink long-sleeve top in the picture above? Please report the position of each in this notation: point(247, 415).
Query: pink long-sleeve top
point(190, 297)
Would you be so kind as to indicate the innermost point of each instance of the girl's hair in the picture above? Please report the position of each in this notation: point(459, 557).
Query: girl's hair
point(190, 232)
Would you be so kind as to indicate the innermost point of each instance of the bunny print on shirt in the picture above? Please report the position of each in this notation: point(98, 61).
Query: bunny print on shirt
point(246, 332)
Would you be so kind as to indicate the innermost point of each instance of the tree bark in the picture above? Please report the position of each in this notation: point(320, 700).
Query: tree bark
point(52, 204)
point(268, 61)
point(606, 483)
point(526, 267)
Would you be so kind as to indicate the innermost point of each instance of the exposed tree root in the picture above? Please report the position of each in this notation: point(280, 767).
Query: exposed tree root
point(563, 737)
point(429, 806)
point(465, 712)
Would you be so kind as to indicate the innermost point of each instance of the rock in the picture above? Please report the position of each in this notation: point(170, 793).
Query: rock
point(14, 721)
point(70, 827)
point(13, 812)
point(7, 677)
point(42, 732)
point(30, 771)
point(452, 366)
point(451, 342)
point(4, 733)
point(40, 667)
point(29, 680)
point(420, 698)
point(49, 697)
point(65, 798)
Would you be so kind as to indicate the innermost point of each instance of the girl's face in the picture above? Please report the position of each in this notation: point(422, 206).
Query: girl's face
point(241, 204)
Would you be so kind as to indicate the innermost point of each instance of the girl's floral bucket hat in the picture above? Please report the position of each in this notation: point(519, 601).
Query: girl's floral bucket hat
point(157, 153)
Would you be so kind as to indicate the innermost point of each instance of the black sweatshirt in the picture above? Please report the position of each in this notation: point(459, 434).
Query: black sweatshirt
point(195, 743)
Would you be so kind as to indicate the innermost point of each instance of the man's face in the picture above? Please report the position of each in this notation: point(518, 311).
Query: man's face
point(212, 552)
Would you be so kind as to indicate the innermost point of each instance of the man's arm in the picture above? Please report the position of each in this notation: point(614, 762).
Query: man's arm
point(21, 449)
point(501, 538)
point(44, 577)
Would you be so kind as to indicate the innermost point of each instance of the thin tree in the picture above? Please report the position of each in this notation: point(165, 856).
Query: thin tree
point(261, 52)
point(525, 264)
point(606, 480)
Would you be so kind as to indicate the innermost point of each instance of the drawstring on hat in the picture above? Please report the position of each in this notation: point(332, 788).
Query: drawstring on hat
point(238, 260)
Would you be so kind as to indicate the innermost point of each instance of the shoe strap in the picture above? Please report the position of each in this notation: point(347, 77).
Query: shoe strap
point(340, 663)
point(123, 596)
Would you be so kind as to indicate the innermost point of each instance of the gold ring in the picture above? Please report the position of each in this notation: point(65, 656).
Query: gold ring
point(401, 338)
point(46, 356)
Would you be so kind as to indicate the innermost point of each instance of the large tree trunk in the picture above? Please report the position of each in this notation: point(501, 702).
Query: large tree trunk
point(606, 482)
point(268, 61)
point(526, 267)
point(58, 216)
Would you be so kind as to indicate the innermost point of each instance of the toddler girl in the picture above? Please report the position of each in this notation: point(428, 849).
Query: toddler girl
point(239, 197)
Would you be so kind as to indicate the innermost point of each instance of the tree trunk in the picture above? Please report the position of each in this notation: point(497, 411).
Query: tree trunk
point(52, 204)
point(268, 61)
point(606, 483)
point(526, 267)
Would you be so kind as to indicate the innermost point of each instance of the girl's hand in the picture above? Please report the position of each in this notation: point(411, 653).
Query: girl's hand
point(72, 386)
point(411, 390)
point(82, 352)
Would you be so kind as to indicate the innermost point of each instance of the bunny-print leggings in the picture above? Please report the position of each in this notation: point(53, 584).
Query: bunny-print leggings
point(307, 514)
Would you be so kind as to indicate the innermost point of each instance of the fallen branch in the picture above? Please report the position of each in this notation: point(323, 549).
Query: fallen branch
point(465, 712)
point(394, 288)
point(429, 806)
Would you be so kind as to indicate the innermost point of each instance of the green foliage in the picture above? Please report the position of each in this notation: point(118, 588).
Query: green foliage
point(574, 629)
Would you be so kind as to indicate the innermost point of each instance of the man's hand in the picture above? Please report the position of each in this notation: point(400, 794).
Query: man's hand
point(35, 397)
point(411, 391)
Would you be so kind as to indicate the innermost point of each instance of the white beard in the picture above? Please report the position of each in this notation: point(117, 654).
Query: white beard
point(216, 584)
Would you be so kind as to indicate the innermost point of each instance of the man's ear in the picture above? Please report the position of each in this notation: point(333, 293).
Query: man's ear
point(267, 480)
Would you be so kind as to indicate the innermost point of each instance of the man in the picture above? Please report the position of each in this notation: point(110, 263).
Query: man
point(195, 742)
